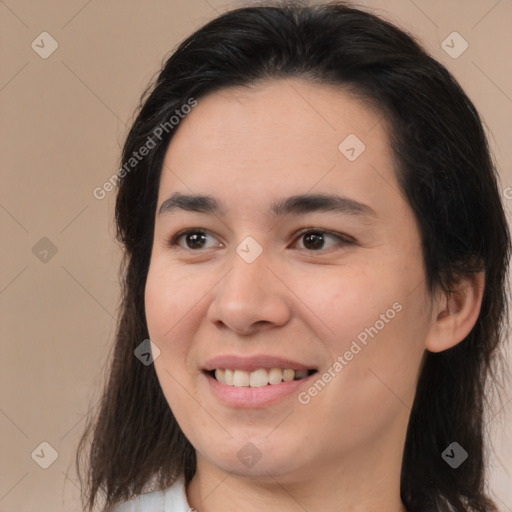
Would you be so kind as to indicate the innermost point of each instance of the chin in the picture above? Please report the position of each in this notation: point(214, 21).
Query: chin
point(257, 458)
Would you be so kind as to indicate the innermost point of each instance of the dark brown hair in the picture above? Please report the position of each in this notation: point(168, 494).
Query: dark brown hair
point(446, 173)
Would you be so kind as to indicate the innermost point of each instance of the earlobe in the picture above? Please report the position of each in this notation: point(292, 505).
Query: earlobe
point(455, 313)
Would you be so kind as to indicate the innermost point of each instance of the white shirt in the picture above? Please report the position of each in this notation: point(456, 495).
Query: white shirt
point(172, 499)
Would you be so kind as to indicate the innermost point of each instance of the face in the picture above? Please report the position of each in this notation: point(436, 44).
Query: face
point(303, 256)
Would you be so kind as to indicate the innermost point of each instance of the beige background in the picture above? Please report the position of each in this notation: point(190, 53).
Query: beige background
point(63, 121)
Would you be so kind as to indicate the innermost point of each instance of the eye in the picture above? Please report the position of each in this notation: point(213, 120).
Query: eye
point(316, 239)
point(194, 239)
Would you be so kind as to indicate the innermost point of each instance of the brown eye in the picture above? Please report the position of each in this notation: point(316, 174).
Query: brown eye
point(316, 240)
point(193, 239)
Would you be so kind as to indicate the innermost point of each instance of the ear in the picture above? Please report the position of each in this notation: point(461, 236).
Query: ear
point(455, 313)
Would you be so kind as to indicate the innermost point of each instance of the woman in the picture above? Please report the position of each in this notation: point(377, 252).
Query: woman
point(316, 248)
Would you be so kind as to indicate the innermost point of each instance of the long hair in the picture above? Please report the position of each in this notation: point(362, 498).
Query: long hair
point(133, 444)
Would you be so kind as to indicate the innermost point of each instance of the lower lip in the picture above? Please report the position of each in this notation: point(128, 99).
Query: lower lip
point(247, 397)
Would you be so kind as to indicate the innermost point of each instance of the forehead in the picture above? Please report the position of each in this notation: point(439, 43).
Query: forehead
point(287, 135)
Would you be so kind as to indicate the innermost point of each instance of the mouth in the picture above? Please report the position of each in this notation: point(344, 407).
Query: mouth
point(259, 377)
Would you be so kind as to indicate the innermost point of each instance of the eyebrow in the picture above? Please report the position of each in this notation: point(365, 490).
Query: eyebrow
point(299, 204)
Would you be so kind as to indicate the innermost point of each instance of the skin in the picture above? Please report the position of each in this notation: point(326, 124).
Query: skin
point(342, 451)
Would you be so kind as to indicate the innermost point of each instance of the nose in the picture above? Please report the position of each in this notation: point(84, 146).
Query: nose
point(250, 298)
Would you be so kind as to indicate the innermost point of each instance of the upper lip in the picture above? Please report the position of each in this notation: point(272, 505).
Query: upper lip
point(252, 363)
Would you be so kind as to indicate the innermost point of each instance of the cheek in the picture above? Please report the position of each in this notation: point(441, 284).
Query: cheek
point(345, 300)
point(172, 305)
point(173, 311)
point(372, 320)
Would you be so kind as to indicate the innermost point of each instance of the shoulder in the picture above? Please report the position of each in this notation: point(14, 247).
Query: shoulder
point(172, 499)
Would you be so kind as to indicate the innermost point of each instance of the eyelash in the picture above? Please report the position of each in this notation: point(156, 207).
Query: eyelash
point(344, 239)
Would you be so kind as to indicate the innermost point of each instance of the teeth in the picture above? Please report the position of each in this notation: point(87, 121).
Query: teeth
point(220, 375)
point(288, 375)
point(258, 378)
point(275, 376)
point(240, 379)
point(300, 374)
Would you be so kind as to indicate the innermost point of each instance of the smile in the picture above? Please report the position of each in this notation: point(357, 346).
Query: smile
point(258, 378)
point(255, 381)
